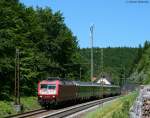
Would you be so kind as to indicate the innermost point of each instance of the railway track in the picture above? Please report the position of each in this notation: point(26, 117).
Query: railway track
point(63, 112)
point(27, 114)
point(77, 108)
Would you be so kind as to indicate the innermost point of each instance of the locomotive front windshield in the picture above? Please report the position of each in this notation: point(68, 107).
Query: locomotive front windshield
point(48, 86)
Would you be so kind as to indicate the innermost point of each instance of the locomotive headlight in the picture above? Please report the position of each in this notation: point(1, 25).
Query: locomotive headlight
point(40, 96)
point(53, 96)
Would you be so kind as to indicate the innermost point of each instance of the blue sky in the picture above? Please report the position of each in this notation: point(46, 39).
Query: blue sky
point(117, 23)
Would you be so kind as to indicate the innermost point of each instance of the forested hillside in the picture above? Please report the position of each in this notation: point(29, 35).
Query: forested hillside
point(141, 71)
point(47, 47)
point(117, 62)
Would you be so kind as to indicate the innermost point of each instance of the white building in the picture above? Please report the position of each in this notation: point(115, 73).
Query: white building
point(103, 81)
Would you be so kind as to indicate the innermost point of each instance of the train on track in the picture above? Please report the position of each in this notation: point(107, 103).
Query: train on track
point(57, 90)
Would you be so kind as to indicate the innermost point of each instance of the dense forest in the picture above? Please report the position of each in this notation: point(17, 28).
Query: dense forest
point(117, 62)
point(47, 47)
point(141, 69)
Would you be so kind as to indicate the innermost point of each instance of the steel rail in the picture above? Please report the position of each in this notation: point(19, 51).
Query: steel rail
point(74, 109)
point(27, 114)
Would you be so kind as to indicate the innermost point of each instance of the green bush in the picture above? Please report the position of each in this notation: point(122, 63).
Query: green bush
point(123, 112)
point(6, 108)
point(29, 103)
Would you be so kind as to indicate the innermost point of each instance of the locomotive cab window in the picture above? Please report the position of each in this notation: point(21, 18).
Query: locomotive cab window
point(43, 86)
point(48, 86)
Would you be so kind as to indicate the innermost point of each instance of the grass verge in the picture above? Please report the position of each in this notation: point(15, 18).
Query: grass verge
point(118, 108)
point(29, 103)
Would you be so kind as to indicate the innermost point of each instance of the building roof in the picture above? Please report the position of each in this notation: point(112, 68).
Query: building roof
point(104, 81)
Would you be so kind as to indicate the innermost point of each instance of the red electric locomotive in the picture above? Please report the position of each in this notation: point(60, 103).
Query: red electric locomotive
point(53, 90)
